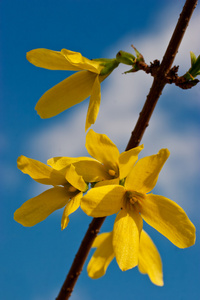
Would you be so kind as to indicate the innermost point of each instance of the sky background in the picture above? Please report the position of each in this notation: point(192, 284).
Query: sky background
point(35, 261)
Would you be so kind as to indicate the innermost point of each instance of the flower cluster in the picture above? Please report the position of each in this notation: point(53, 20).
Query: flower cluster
point(70, 178)
point(120, 184)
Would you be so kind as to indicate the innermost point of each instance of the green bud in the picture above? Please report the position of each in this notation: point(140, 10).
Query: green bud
point(193, 58)
point(138, 54)
point(125, 58)
point(195, 67)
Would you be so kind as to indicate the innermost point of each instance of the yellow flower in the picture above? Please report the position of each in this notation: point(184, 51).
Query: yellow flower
point(132, 203)
point(149, 261)
point(67, 191)
point(75, 88)
point(108, 165)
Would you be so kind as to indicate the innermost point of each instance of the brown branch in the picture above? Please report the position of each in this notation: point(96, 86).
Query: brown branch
point(160, 79)
point(80, 259)
point(143, 121)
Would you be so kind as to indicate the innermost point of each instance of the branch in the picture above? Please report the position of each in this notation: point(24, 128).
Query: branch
point(80, 259)
point(143, 121)
point(160, 78)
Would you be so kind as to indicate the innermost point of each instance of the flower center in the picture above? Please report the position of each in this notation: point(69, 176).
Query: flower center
point(132, 196)
point(131, 199)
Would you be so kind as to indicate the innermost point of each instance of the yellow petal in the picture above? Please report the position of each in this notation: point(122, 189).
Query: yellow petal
point(149, 259)
point(37, 209)
point(95, 100)
point(89, 168)
point(103, 201)
point(71, 207)
point(65, 94)
point(102, 257)
point(74, 179)
point(61, 162)
point(39, 171)
point(103, 149)
point(169, 219)
point(100, 238)
point(92, 171)
point(144, 174)
point(77, 60)
point(126, 236)
point(48, 59)
point(127, 160)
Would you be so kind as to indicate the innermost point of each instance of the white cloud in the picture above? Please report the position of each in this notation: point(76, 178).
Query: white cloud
point(122, 100)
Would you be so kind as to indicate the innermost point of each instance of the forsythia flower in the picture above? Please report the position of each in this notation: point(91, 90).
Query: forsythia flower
point(67, 191)
point(149, 261)
point(133, 203)
point(75, 88)
point(108, 164)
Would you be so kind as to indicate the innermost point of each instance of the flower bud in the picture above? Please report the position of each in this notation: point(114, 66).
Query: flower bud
point(195, 67)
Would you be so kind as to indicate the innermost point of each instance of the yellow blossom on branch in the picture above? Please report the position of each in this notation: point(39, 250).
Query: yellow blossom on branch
point(107, 166)
point(75, 88)
point(133, 203)
point(69, 176)
point(67, 191)
point(149, 261)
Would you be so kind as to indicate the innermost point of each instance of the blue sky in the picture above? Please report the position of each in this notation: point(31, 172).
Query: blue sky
point(35, 261)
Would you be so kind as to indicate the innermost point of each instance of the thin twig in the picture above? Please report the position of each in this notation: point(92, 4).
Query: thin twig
point(172, 76)
point(143, 121)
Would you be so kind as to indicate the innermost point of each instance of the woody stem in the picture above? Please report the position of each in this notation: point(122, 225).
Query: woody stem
point(136, 136)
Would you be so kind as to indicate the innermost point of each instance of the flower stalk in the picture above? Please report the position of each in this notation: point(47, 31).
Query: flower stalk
point(136, 136)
